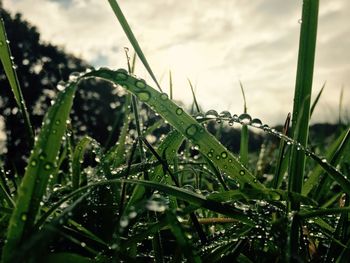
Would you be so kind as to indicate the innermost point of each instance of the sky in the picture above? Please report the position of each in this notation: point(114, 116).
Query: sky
point(215, 44)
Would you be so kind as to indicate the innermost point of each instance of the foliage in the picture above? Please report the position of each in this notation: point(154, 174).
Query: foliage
point(133, 195)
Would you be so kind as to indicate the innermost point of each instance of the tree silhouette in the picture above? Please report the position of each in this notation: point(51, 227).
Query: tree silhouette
point(40, 66)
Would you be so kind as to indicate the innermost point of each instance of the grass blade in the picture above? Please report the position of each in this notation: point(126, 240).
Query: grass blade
point(337, 149)
point(183, 122)
point(41, 164)
point(77, 159)
point(281, 161)
point(9, 67)
point(125, 25)
point(302, 94)
point(317, 99)
point(194, 97)
point(243, 149)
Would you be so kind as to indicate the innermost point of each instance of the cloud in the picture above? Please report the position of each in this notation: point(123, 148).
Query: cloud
point(215, 45)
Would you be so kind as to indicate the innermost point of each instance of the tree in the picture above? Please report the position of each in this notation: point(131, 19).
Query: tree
point(40, 67)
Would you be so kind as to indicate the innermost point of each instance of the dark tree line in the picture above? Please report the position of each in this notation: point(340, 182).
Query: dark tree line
point(40, 66)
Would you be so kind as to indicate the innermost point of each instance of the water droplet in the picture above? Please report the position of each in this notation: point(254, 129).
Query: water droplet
point(83, 244)
point(266, 127)
point(74, 76)
point(199, 116)
point(242, 172)
point(141, 84)
point(144, 96)
point(124, 221)
point(300, 21)
point(61, 85)
point(48, 166)
point(33, 163)
point(1, 43)
point(57, 122)
point(225, 114)
point(245, 119)
point(224, 155)
point(155, 206)
point(210, 155)
point(211, 114)
point(24, 217)
point(256, 123)
point(121, 74)
point(179, 111)
point(42, 156)
point(164, 96)
point(191, 130)
point(324, 160)
point(217, 157)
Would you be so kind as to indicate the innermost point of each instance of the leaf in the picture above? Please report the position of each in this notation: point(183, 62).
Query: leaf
point(41, 164)
point(9, 67)
point(77, 159)
point(302, 93)
point(183, 122)
point(125, 25)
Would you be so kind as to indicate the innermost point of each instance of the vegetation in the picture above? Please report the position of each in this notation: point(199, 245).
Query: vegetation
point(158, 186)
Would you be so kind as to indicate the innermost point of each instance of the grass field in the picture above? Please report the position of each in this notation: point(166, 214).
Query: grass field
point(183, 197)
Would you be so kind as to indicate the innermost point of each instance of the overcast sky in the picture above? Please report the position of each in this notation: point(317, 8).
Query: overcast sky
point(213, 43)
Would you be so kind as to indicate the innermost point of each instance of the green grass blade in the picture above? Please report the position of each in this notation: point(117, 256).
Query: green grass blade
point(338, 148)
point(183, 122)
point(115, 156)
point(341, 105)
point(169, 147)
point(41, 164)
point(302, 94)
point(5, 57)
point(255, 194)
point(125, 25)
point(191, 197)
point(194, 97)
point(281, 161)
point(323, 212)
point(77, 159)
point(317, 99)
point(4, 190)
point(170, 85)
point(244, 140)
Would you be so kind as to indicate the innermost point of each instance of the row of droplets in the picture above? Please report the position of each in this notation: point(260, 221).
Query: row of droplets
point(243, 119)
point(246, 119)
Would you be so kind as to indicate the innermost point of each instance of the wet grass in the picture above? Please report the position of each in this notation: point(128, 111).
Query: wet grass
point(182, 197)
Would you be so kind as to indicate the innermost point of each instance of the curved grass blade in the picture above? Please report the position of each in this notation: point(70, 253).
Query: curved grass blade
point(243, 149)
point(115, 156)
point(194, 97)
point(281, 166)
point(180, 193)
point(323, 212)
point(184, 123)
point(134, 169)
point(317, 99)
point(9, 67)
point(41, 164)
point(257, 194)
point(77, 159)
point(336, 150)
point(4, 191)
point(125, 25)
